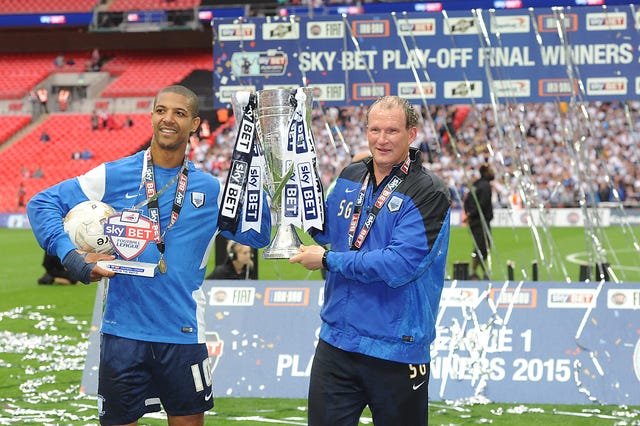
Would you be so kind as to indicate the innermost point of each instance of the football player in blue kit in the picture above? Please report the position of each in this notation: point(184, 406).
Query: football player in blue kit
point(388, 227)
point(153, 350)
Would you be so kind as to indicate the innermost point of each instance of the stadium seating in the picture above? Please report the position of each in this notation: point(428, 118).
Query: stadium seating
point(140, 74)
point(44, 6)
point(143, 74)
point(21, 72)
point(69, 133)
point(122, 5)
point(10, 124)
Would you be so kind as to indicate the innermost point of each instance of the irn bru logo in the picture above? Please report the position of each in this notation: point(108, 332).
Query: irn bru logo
point(370, 28)
point(370, 91)
point(556, 87)
point(549, 23)
point(518, 298)
point(275, 296)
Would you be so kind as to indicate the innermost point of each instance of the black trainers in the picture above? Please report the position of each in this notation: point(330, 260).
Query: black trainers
point(46, 279)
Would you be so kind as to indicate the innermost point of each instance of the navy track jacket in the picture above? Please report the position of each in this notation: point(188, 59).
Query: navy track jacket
point(382, 300)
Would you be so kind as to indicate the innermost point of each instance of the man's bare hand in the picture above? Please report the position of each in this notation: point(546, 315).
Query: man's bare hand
point(97, 273)
point(309, 256)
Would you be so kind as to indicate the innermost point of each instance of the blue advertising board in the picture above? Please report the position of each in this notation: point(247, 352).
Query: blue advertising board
point(526, 342)
point(63, 19)
point(46, 19)
point(523, 55)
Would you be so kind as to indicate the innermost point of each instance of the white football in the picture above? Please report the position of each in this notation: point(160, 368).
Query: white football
point(85, 225)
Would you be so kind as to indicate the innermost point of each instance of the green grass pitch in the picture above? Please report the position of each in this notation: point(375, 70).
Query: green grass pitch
point(43, 339)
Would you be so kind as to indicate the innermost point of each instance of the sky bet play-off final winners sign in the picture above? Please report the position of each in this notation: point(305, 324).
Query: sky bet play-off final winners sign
point(524, 55)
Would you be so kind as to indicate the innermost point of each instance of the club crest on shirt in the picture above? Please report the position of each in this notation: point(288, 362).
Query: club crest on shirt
point(197, 199)
point(394, 204)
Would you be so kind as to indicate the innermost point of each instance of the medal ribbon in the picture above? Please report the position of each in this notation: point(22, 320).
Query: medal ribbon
point(152, 198)
point(393, 184)
point(233, 197)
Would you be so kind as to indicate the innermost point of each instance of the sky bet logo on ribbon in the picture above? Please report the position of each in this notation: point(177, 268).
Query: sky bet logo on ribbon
point(130, 232)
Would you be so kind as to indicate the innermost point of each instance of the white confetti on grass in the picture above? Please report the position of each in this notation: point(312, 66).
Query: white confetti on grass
point(35, 359)
point(43, 354)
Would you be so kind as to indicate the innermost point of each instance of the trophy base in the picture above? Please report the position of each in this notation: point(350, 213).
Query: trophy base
point(119, 266)
point(285, 244)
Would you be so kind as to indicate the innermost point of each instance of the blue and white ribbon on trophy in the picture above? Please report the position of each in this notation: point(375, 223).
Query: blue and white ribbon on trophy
point(242, 195)
point(301, 196)
point(252, 207)
point(302, 200)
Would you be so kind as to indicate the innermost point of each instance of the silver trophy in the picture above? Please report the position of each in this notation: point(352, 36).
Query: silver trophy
point(275, 109)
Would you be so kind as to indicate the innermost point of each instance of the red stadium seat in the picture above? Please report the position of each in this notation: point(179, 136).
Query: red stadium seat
point(20, 72)
point(123, 5)
point(143, 74)
point(69, 133)
point(10, 124)
point(40, 6)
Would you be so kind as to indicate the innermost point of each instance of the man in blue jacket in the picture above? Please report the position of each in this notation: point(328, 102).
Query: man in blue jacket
point(388, 226)
point(152, 348)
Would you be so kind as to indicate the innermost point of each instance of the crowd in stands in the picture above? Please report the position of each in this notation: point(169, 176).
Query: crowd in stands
point(557, 159)
point(542, 154)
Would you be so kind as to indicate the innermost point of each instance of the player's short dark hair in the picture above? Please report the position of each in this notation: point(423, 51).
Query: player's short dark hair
point(184, 91)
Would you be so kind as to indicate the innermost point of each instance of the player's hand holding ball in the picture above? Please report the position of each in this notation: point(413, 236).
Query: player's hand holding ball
point(85, 225)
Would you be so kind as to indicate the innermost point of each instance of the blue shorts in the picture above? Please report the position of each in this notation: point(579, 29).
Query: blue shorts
point(135, 377)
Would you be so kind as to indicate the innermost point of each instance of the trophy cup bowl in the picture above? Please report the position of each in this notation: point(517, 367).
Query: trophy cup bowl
point(275, 109)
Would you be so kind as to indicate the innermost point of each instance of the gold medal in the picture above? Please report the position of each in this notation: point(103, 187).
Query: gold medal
point(162, 265)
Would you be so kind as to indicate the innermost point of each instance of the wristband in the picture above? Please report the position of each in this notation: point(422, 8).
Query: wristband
point(324, 260)
point(77, 266)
